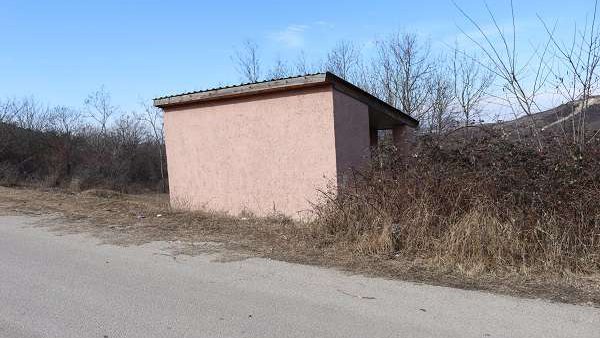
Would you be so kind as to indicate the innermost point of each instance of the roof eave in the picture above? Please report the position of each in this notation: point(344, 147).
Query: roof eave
point(371, 100)
point(244, 90)
point(287, 84)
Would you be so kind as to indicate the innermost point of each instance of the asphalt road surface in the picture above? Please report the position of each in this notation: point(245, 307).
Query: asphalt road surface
point(70, 285)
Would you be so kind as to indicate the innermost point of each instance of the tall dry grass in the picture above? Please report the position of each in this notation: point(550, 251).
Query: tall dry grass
point(484, 204)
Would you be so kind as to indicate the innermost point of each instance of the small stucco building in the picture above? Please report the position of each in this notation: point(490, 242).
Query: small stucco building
point(270, 147)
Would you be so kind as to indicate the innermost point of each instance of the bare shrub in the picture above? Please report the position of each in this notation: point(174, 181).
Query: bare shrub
point(483, 204)
point(9, 174)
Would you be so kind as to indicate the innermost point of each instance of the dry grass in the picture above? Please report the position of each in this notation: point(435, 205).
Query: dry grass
point(134, 219)
point(482, 205)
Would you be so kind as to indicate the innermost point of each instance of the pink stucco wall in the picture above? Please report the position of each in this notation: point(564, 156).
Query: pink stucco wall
point(262, 153)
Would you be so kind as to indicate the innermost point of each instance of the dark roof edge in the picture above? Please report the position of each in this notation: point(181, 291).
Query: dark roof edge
point(360, 94)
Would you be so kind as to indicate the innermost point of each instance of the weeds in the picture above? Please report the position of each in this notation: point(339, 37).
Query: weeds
point(479, 205)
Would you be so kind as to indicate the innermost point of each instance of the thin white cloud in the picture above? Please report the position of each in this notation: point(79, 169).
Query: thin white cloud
point(292, 36)
point(325, 24)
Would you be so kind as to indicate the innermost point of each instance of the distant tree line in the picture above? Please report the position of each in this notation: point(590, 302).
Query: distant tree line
point(95, 146)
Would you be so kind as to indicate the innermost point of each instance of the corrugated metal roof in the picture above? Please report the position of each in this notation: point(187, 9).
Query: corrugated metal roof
point(238, 85)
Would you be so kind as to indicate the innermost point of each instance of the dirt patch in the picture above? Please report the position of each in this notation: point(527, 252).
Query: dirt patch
point(105, 193)
point(138, 219)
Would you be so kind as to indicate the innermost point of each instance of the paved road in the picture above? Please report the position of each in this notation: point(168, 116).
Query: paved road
point(70, 286)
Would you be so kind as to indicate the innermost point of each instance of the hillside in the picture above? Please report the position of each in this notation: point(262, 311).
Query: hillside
point(562, 116)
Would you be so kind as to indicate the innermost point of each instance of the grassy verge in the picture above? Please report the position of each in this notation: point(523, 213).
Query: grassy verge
point(138, 219)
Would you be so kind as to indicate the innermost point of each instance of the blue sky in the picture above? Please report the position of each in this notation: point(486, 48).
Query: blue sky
point(60, 51)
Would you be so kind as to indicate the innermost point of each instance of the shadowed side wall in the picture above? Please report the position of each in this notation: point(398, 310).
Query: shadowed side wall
point(352, 138)
point(260, 153)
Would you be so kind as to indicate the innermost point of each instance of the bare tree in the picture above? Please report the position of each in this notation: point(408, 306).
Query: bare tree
point(248, 62)
point(100, 108)
point(343, 60)
point(577, 77)
point(440, 117)
point(128, 131)
point(279, 70)
point(365, 78)
point(9, 108)
point(523, 81)
point(470, 84)
point(64, 120)
point(153, 117)
point(30, 114)
point(403, 68)
point(301, 64)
